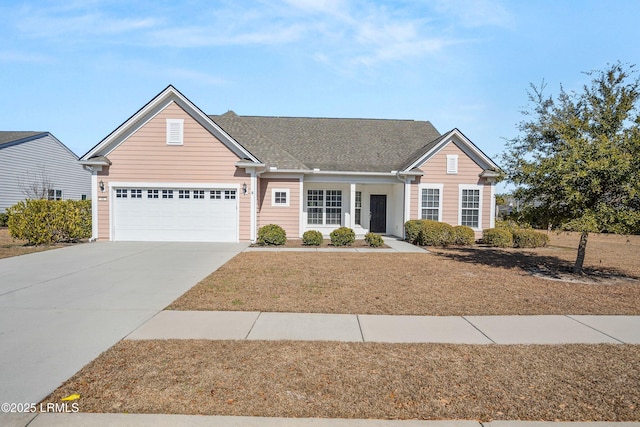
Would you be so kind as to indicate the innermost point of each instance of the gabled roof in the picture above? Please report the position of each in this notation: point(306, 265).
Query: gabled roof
point(153, 107)
point(8, 137)
point(362, 145)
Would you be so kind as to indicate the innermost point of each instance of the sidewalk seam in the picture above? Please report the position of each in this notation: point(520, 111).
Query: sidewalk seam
point(478, 329)
point(591, 327)
point(246, 337)
point(360, 328)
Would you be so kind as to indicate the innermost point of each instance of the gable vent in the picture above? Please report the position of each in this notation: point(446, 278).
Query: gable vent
point(175, 131)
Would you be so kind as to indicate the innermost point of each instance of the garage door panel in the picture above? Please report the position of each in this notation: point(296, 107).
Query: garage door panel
point(175, 219)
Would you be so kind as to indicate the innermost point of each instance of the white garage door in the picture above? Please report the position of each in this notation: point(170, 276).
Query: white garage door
point(175, 215)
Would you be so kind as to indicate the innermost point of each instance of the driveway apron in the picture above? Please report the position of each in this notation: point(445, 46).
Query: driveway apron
point(60, 309)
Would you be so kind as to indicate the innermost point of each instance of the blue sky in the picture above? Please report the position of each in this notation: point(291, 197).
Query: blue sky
point(79, 68)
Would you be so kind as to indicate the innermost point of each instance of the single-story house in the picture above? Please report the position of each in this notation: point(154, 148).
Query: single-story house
point(38, 165)
point(173, 173)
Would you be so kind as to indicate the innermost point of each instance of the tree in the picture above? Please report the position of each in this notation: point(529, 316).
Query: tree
point(36, 185)
point(576, 162)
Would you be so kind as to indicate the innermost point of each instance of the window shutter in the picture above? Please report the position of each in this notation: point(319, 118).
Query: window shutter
point(175, 131)
point(452, 163)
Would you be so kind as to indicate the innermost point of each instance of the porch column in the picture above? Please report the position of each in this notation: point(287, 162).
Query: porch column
point(94, 204)
point(349, 218)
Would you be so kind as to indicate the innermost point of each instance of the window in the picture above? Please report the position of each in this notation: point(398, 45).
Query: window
point(215, 194)
point(136, 193)
point(198, 194)
point(431, 203)
point(470, 207)
point(358, 212)
point(324, 207)
point(452, 163)
point(152, 194)
point(54, 195)
point(121, 193)
point(229, 194)
point(175, 131)
point(167, 194)
point(83, 197)
point(280, 197)
point(183, 194)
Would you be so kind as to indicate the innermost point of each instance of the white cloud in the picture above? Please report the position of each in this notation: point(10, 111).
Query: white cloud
point(17, 56)
point(476, 13)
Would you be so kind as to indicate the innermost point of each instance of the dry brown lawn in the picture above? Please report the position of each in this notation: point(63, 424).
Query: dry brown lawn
point(363, 380)
point(10, 247)
point(455, 281)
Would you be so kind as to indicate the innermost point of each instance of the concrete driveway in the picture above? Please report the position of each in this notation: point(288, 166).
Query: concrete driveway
point(60, 309)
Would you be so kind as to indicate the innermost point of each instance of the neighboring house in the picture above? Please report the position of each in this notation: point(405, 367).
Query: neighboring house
point(171, 172)
point(37, 165)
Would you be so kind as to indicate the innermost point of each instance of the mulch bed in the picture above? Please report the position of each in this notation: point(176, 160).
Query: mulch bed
point(363, 380)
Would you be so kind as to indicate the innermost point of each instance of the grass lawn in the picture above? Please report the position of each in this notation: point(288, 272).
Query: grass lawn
point(373, 380)
point(455, 281)
point(10, 247)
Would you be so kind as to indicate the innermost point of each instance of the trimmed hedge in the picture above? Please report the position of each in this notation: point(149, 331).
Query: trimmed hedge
point(4, 217)
point(43, 222)
point(463, 235)
point(526, 238)
point(343, 236)
point(312, 238)
point(412, 230)
point(497, 237)
point(434, 233)
point(272, 234)
point(373, 239)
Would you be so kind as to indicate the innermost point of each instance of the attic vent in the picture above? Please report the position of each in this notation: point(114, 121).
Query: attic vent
point(452, 163)
point(175, 131)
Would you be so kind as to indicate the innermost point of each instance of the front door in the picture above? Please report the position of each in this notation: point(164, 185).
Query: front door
point(378, 221)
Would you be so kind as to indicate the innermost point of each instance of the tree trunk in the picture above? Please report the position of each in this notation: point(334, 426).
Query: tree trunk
point(582, 250)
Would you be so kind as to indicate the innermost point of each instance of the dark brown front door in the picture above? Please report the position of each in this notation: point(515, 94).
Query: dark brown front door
point(378, 222)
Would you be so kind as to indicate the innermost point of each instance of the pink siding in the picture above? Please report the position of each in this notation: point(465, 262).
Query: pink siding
point(435, 172)
point(286, 217)
point(146, 157)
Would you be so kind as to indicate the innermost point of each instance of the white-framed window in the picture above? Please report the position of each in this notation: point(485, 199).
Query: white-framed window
point(136, 193)
point(229, 194)
point(280, 197)
point(471, 206)
point(215, 194)
point(358, 209)
point(121, 193)
point(452, 163)
point(198, 194)
point(183, 194)
point(431, 202)
point(175, 131)
point(324, 207)
point(54, 195)
point(152, 194)
point(167, 194)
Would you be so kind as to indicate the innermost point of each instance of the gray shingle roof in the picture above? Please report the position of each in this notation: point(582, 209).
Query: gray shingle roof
point(7, 137)
point(374, 145)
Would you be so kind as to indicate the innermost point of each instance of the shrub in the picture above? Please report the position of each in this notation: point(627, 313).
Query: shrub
point(4, 217)
point(463, 235)
point(272, 234)
point(373, 239)
point(43, 222)
point(343, 236)
point(524, 238)
point(412, 230)
point(312, 238)
point(434, 233)
point(497, 237)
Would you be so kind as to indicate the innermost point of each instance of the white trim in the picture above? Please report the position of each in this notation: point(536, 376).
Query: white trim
point(175, 131)
point(94, 205)
point(287, 192)
point(452, 164)
point(253, 215)
point(301, 204)
point(350, 220)
point(480, 206)
point(426, 186)
point(407, 201)
point(492, 214)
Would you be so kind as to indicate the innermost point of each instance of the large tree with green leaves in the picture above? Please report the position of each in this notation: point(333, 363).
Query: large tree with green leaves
point(576, 160)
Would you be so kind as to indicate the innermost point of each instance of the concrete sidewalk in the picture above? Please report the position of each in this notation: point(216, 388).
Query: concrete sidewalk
point(252, 325)
point(395, 244)
point(159, 420)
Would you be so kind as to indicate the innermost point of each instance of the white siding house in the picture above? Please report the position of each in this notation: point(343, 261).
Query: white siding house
point(30, 159)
